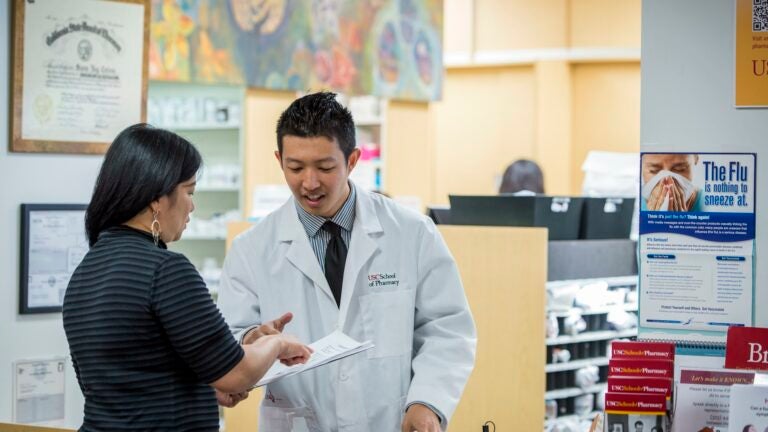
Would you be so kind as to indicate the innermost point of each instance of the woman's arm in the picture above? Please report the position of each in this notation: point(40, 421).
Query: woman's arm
point(259, 357)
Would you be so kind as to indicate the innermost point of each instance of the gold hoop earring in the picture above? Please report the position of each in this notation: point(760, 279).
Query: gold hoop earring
point(155, 231)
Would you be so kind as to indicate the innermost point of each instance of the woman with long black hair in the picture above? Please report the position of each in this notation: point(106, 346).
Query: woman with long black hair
point(147, 342)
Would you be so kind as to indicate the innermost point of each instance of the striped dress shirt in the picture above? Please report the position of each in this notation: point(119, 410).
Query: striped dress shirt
point(319, 238)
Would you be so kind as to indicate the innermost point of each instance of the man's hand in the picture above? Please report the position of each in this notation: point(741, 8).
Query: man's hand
point(657, 196)
point(676, 202)
point(229, 400)
point(268, 328)
point(419, 418)
point(691, 200)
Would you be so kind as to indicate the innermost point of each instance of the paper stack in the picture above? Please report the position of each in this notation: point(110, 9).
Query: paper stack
point(333, 347)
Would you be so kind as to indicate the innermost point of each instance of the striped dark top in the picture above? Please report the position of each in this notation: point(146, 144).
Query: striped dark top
point(145, 337)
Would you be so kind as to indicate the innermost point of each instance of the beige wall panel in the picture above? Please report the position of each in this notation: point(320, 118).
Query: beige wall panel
point(520, 24)
point(457, 28)
point(606, 111)
point(600, 23)
point(408, 151)
point(262, 109)
point(553, 125)
point(485, 121)
point(504, 271)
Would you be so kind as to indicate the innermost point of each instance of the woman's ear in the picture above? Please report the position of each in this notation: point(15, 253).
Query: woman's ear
point(154, 206)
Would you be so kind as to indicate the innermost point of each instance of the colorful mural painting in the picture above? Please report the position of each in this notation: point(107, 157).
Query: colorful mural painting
point(388, 48)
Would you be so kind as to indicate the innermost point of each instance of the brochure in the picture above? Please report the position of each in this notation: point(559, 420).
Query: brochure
point(749, 408)
point(702, 398)
point(333, 347)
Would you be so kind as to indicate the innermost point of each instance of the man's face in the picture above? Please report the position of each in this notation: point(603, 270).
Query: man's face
point(316, 172)
point(639, 427)
point(677, 163)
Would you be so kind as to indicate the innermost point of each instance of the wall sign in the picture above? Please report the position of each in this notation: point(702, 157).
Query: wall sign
point(751, 53)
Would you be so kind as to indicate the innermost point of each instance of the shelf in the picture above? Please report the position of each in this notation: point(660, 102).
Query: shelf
point(368, 121)
point(198, 237)
point(201, 127)
point(591, 336)
point(576, 364)
point(561, 313)
point(611, 281)
point(573, 391)
point(590, 416)
point(200, 188)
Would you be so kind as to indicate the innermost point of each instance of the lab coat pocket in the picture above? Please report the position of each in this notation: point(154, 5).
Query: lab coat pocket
point(297, 419)
point(388, 322)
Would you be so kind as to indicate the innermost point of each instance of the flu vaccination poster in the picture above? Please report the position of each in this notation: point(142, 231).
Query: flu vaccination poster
point(697, 243)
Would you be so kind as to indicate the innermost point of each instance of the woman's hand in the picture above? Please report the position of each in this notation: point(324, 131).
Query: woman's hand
point(292, 351)
point(229, 400)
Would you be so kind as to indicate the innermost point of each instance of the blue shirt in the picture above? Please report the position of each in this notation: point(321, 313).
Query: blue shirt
point(319, 238)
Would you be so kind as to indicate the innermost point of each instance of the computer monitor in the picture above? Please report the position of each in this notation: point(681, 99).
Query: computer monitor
point(606, 218)
point(561, 215)
point(440, 215)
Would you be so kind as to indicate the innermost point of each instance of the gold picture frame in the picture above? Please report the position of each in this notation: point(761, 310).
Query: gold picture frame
point(88, 100)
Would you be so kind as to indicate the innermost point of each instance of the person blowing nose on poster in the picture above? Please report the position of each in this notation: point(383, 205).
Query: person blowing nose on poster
point(668, 182)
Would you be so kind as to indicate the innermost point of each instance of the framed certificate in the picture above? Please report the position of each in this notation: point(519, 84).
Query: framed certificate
point(79, 73)
point(39, 390)
point(53, 242)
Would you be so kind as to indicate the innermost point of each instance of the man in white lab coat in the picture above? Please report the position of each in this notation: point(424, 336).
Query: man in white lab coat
point(338, 257)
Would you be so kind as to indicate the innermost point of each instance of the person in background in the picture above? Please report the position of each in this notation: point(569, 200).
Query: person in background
point(522, 176)
point(148, 344)
point(346, 259)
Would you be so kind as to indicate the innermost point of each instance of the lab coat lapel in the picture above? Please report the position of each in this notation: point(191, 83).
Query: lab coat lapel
point(363, 246)
point(300, 251)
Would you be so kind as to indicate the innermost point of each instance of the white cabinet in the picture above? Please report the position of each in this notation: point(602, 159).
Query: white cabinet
point(368, 112)
point(210, 117)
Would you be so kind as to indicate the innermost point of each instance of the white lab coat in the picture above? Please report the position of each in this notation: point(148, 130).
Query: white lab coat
point(401, 290)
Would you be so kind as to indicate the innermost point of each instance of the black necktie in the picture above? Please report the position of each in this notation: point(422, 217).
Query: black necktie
point(335, 258)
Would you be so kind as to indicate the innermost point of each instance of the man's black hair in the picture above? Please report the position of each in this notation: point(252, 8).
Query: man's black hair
point(318, 115)
point(142, 164)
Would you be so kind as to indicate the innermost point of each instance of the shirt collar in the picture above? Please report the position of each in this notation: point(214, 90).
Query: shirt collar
point(344, 218)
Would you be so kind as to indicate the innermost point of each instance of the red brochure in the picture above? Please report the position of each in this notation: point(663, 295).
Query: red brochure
point(641, 368)
point(746, 348)
point(622, 384)
point(645, 350)
point(631, 403)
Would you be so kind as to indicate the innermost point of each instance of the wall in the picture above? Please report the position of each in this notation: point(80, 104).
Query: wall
point(547, 81)
point(31, 178)
point(688, 97)
point(606, 111)
point(485, 120)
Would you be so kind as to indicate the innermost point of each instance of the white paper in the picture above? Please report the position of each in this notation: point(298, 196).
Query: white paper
point(57, 244)
point(82, 69)
point(749, 408)
point(38, 390)
point(333, 347)
point(702, 398)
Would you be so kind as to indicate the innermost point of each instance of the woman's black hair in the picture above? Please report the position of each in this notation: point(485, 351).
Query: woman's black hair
point(522, 175)
point(143, 164)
